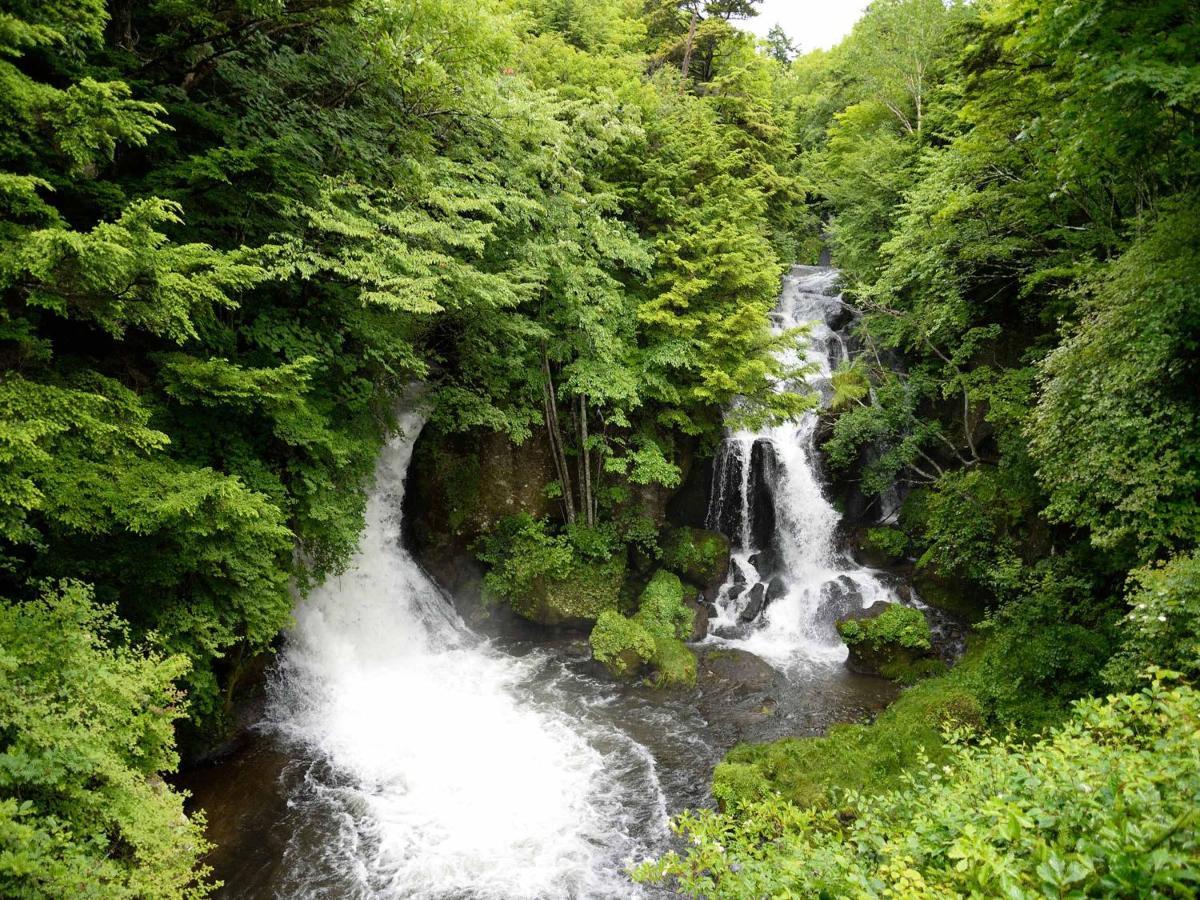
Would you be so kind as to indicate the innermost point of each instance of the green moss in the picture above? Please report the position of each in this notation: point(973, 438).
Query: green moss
point(674, 663)
point(909, 671)
point(583, 593)
point(697, 556)
point(622, 645)
point(898, 625)
point(661, 608)
point(653, 635)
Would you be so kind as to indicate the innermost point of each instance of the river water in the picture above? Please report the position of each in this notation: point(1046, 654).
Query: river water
point(401, 755)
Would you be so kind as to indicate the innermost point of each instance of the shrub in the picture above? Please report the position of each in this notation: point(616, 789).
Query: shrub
point(866, 759)
point(1163, 627)
point(1105, 805)
point(519, 552)
point(695, 555)
point(887, 541)
point(897, 625)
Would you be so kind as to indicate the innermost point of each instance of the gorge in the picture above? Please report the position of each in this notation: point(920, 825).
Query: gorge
point(597, 448)
point(424, 760)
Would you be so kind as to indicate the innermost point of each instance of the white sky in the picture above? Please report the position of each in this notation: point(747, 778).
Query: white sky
point(809, 23)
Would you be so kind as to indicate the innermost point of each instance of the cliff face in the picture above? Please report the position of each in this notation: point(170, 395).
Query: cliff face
point(460, 487)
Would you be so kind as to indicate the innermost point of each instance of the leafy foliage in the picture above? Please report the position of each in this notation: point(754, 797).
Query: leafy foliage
point(88, 733)
point(1108, 811)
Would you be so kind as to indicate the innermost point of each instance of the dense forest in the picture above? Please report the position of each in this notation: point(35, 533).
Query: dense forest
point(235, 232)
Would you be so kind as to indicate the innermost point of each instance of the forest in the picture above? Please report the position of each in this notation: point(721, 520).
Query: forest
point(236, 232)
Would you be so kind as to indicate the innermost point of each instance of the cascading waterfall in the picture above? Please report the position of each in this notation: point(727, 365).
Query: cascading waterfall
point(440, 771)
point(405, 756)
point(788, 582)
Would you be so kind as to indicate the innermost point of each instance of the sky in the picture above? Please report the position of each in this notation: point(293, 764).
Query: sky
point(809, 23)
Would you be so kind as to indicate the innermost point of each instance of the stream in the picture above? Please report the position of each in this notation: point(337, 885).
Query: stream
point(402, 755)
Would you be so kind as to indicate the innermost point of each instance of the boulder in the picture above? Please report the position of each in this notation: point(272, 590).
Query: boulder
point(729, 666)
point(755, 605)
point(699, 557)
point(890, 640)
point(839, 598)
point(776, 588)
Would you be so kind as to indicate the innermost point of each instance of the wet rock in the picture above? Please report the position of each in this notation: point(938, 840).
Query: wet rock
point(766, 561)
point(725, 513)
point(764, 467)
point(756, 604)
point(839, 598)
point(700, 616)
point(736, 591)
point(776, 588)
point(739, 668)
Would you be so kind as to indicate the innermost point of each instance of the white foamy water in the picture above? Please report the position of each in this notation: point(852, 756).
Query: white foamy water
point(816, 583)
point(434, 771)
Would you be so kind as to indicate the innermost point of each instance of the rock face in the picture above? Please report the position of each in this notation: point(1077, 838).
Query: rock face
point(764, 467)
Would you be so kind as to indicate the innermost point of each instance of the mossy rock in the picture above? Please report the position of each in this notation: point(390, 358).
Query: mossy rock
point(697, 556)
point(652, 639)
point(621, 645)
point(673, 664)
point(662, 608)
point(578, 599)
point(887, 639)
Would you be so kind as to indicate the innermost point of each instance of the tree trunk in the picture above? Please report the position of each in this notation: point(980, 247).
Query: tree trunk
point(556, 442)
point(687, 47)
point(585, 464)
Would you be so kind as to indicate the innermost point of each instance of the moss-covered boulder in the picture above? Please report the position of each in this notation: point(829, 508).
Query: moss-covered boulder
point(890, 640)
point(652, 640)
point(697, 556)
point(621, 645)
point(575, 599)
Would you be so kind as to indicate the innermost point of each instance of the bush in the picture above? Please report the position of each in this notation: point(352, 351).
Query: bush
point(519, 552)
point(621, 644)
point(552, 579)
point(695, 555)
point(87, 731)
point(887, 541)
point(1105, 805)
point(897, 625)
point(1163, 627)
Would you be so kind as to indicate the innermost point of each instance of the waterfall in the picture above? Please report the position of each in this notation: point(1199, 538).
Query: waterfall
point(433, 767)
point(788, 581)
